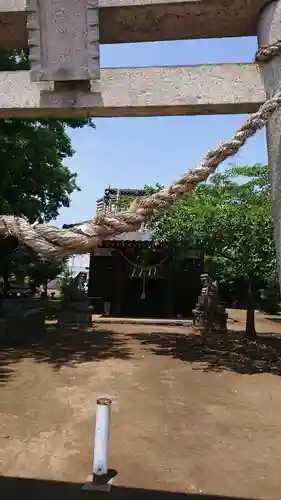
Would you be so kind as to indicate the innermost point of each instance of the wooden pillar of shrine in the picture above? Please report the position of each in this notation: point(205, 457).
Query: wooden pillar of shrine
point(169, 291)
point(118, 265)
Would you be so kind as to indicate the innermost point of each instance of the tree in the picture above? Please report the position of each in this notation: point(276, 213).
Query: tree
point(34, 181)
point(41, 272)
point(230, 219)
point(66, 278)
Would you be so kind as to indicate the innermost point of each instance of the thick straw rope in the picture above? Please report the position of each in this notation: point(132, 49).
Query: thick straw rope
point(55, 243)
point(267, 52)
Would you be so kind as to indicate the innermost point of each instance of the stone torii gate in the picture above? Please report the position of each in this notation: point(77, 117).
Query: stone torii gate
point(64, 36)
point(65, 78)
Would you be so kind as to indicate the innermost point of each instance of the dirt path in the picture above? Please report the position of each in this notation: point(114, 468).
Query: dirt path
point(183, 418)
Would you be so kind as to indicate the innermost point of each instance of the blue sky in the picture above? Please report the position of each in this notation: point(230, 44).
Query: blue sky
point(131, 152)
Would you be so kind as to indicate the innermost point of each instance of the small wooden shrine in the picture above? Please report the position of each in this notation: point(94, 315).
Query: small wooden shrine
point(131, 276)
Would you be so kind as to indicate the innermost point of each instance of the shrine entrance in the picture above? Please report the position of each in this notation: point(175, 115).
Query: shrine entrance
point(145, 297)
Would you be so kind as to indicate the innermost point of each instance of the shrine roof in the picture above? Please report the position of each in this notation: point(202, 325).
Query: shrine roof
point(140, 235)
point(124, 192)
point(140, 238)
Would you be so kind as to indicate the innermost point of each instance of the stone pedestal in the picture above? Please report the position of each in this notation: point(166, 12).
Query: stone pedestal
point(209, 313)
point(198, 316)
point(76, 314)
point(21, 318)
point(19, 289)
point(76, 310)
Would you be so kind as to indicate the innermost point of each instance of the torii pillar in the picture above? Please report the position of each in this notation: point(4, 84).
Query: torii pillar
point(269, 31)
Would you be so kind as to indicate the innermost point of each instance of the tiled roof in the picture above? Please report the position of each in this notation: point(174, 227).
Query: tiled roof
point(140, 235)
point(144, 235)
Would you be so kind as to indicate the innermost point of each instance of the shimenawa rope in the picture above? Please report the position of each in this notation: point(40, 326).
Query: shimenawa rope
point(54, 243)
point(267, 52)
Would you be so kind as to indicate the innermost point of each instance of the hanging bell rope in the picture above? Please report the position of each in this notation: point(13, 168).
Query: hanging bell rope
point(54, 243)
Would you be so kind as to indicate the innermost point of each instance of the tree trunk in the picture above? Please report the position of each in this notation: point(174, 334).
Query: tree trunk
point(250, 320)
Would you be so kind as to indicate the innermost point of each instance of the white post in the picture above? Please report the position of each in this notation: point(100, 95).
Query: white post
point(101, 449)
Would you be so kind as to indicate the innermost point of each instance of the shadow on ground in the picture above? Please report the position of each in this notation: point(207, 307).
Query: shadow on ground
point(230, 351)
point(59, 348)
point(33, 489)
point(275, 320)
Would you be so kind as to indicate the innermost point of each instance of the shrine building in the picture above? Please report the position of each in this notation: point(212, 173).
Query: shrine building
point(131, 276)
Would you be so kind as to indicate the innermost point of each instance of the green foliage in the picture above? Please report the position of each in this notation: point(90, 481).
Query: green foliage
point(40, 272)
point(65, 280)
point(35, 183)
point(125, 201)
point(14, 60)
point(153, 189)
point(230, 219)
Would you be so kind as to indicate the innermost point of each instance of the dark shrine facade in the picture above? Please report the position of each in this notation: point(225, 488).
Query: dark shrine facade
point(131, 276)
